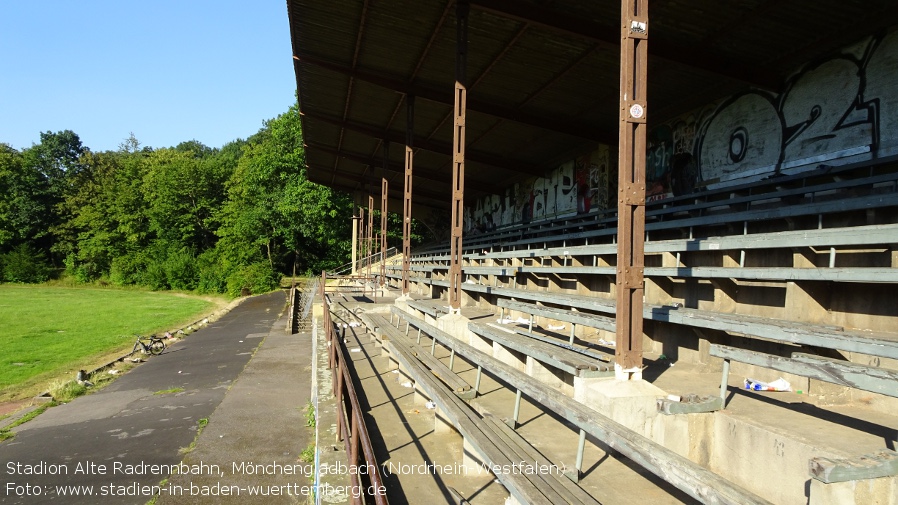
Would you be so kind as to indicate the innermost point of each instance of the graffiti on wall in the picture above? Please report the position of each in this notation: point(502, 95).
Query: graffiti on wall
point(835, 111)
point(577, 186)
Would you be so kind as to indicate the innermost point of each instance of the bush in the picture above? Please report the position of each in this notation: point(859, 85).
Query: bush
point(154, 275)
point(212, 272)
point(126, 270)
point(180, 270)
point(253, 279)
point(81, 273)
point(23, 264)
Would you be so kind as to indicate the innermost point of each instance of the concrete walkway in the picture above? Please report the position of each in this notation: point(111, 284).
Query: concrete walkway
point(120, 444)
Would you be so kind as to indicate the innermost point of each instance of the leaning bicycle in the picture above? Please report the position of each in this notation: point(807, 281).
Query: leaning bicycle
point(155, 346)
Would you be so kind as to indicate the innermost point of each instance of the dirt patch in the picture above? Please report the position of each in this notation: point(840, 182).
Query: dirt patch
point(13, 407)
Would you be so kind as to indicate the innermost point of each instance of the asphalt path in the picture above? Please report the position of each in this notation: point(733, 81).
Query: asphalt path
point(121, 441)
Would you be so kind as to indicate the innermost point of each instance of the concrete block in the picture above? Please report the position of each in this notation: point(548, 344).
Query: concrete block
point(509, 357)
point(552, 377)
point(471, 459)
point(882, 491)
point(632, 403)
point(742, 450)
point(689, 435)
point(481, 344)
point(441, 423)
point(455, 325)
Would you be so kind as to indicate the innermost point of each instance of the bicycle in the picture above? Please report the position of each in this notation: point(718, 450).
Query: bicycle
point(154, 347)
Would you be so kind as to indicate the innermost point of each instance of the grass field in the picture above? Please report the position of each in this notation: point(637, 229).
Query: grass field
point(48, 332)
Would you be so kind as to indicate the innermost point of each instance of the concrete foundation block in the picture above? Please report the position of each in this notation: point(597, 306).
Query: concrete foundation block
point(509, 357)
point(480, 343)
point(632, 403)
point(421, 396)
point(689, 435)
point(441, 423)
point(471, 459)
point(742, 450)
point(882, 491)
point(550, 376)
point(455, 325)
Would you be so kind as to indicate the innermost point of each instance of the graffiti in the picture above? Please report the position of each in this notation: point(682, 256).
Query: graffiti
point(576, 186)
point(837, 110)
point(744, 134)
point(834, 111)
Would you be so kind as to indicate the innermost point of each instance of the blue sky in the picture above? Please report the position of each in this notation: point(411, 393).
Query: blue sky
point(166, 70)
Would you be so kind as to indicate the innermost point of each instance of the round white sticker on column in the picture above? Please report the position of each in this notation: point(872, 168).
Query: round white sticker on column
point(636, 111)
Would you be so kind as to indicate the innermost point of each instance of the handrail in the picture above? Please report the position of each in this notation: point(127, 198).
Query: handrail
point(352, 421)
point(371, 258)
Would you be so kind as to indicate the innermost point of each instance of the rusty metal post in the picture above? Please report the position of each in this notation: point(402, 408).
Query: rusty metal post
point(362, 234)
point(370, 235)
point(458, 156)
point(407, 199)
point(355, 242)
point(384, 187)
point(631, 189)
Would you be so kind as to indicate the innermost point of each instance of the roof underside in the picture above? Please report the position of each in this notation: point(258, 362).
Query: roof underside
point(543, 78)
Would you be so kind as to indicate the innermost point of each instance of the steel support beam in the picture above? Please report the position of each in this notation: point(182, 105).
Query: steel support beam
point(407, 200)
point(458, 156)
point(355, 242)
point(631, 189)
point(512, 165)
point(567, 126)
point(363, 230)
point(370, 234)
point(384, 189)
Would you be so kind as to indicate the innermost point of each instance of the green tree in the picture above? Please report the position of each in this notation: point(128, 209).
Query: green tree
point(274, 213)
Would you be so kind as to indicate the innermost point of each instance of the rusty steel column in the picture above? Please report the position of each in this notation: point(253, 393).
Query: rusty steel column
point(370, 234)
point(631, 189)
point(407, 199)
point(384, 186)
point(362, 234)
point(355, 242)
point(458, 155)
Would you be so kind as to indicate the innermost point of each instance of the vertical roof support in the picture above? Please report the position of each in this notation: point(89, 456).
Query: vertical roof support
point(384, 187)
point(458, 155)
point(362, 238)
point(355, 242)
point(631, 189)
point(384, 190)
point(407, 199)
point(370, 234)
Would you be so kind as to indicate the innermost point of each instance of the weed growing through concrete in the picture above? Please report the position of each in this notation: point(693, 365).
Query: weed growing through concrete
point(308, 454)
point(169, 391)
point(310, 415)
point(200, 425)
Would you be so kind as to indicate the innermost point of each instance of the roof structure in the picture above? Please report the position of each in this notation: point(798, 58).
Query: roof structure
point(543, 78)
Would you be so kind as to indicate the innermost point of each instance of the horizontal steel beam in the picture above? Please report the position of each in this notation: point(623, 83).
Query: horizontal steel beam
point(445, 97)
point(551, 19)
point(443, 148)
point(396, 169)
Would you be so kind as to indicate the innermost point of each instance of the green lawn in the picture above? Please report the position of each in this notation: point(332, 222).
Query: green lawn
point(47, 332)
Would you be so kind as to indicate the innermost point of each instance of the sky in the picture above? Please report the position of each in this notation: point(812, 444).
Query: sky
point(167, 71)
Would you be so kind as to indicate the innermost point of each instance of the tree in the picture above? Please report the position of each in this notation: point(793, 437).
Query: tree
point(274, 208)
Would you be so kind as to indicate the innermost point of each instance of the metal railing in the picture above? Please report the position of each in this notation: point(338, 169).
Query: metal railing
point(302, 294)
point(350, 417)
point(362, 263)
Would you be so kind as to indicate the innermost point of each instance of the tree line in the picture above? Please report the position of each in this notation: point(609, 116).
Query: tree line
point(190, 217)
